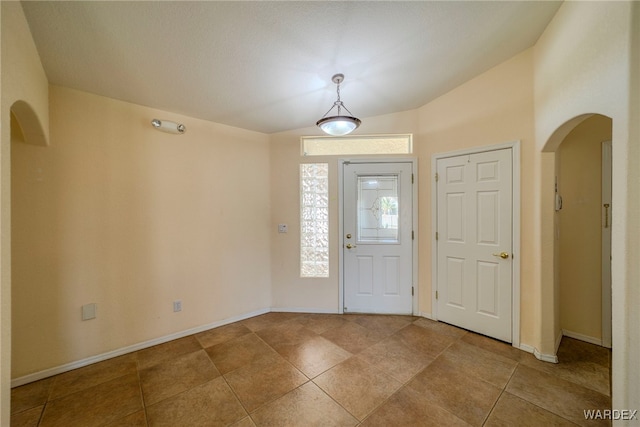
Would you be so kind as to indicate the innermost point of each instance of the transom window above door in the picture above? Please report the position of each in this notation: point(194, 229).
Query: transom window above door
point(356, 145)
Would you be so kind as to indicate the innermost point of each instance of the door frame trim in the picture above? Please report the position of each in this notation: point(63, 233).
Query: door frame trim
point(607, 190)
point(414, 220)
point(515, 224)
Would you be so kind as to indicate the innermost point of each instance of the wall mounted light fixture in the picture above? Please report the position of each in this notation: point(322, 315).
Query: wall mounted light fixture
point(169, 127)
point(338, 125)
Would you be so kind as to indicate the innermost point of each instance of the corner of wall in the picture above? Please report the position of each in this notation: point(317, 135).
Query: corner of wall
point(23, 78)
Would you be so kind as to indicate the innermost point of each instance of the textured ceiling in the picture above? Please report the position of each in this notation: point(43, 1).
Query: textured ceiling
point(267, 66)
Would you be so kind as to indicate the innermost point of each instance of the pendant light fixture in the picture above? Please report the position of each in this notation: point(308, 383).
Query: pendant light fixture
point(338, 125)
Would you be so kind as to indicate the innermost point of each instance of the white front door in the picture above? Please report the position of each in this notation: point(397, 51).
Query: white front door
point(474, 242)
point(377, 237)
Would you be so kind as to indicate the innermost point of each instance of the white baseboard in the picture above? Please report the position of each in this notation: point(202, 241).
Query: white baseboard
point(303, 310)
point(582, 337)
point(551, 358)
point(129, 349)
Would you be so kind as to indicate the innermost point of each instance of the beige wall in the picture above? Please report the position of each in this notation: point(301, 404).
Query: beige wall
point(116, 213)
point(493, 108)
point(587, 62)
point(22, 79)
point(580, 227)
point(290, 291)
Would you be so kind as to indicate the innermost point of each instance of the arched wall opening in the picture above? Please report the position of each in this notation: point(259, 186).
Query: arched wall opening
point(581, 224)
point(26, 127)
point(571, 185)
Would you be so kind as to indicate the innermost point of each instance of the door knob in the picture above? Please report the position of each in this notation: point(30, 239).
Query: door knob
point(350, 246)
point(502, 255)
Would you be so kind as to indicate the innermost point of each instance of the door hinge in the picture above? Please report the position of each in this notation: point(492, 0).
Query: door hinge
point(437, 176)
point(413, 235)
point(412, 291)
point(436, 235)
point(412, 178)
point(436, 294)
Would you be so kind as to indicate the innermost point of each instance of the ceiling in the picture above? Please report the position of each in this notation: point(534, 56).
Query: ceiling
point(267, 66)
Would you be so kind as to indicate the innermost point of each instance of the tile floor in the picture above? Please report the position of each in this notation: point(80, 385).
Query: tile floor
point(289, 369)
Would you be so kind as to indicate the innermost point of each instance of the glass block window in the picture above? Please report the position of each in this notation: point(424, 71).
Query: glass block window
point(314, 220)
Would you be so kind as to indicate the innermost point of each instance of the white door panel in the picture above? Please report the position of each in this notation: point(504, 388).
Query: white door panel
point(474, 217)
point(377, 241)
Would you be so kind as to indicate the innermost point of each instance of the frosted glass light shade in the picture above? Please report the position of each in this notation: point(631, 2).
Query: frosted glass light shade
point(338, 125)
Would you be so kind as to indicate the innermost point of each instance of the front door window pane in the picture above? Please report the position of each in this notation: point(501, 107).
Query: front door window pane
point(378, 209)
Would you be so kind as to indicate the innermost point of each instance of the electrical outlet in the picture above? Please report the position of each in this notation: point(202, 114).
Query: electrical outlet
point(283, 228)
point(177, 306)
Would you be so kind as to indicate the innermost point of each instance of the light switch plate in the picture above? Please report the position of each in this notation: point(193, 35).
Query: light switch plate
point(89, 311)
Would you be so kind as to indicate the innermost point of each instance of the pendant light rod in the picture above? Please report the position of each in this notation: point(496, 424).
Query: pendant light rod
point(338, 125)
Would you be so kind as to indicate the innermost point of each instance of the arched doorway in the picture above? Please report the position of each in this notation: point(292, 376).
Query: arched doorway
point(581, 222)
point(573, 159)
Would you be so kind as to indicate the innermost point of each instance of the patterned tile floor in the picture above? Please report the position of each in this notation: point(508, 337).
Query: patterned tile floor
point(290, 369)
